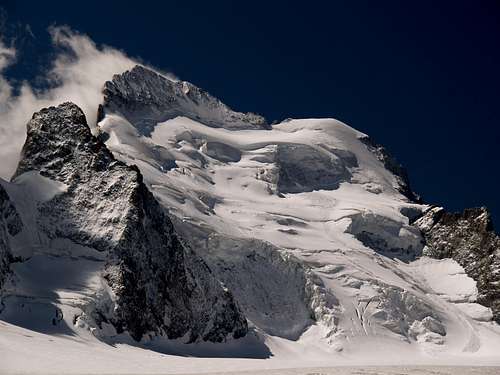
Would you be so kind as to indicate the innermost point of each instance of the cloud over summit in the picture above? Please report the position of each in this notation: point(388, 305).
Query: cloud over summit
point(77, 74)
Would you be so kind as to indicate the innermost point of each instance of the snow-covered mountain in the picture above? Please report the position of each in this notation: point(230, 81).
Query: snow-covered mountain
point(184, 220)
point(92, 208)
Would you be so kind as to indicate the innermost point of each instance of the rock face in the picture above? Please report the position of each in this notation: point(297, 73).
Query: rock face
point(10, 225)
point(146, 98)
point(156, 283)
point(392, 165)
point(469, 239)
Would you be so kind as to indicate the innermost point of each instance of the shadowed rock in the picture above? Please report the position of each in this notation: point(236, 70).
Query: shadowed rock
point(392, 165)
point(10, 225)
point(468, 238)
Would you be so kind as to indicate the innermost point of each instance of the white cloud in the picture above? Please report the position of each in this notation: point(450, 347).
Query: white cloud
point(7, 57)
point(77, 75)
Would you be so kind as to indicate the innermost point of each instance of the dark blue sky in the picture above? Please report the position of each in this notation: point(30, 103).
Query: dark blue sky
point(422, 78)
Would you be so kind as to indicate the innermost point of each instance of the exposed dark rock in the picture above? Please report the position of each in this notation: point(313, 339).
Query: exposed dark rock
point(392, 165)
point(146, 98)
point(412, 213)
point(469, 239)
point(158, 284)
point(10, 225)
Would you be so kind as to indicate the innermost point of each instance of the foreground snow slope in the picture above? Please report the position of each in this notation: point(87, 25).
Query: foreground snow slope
point(28, 351)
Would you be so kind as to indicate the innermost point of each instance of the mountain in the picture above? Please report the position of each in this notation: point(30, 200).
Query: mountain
point(152, 282)
point(187, 228)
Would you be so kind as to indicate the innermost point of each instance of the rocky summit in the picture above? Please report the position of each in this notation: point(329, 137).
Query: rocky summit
point(155, 283)
point(146, 98)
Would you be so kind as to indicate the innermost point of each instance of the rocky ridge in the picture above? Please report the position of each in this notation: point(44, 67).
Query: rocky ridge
point(392, 165)
point(468, 238)
point(157, 285)
point(146, 98)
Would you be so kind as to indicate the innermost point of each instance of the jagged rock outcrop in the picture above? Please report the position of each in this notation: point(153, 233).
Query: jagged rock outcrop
point(468, 238)
point(392, 165)
point(157, 284)
point(146, 98)
point(10, 225)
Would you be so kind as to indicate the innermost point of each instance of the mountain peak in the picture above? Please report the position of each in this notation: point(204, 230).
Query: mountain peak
point(56, 137)
point(155, 283)
point(146, 98)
